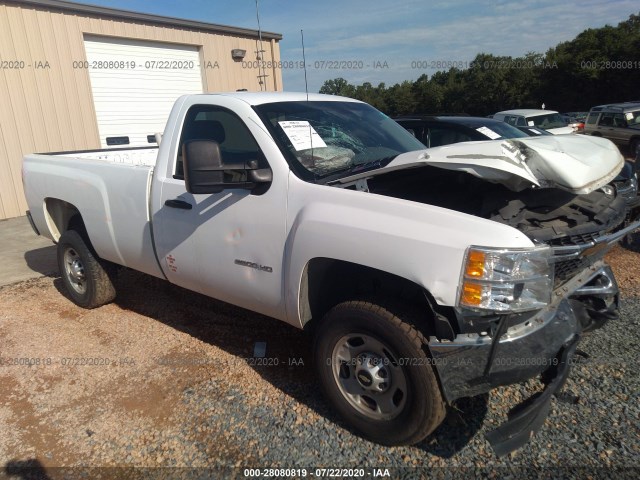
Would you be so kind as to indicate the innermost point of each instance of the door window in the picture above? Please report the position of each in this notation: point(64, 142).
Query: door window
point(208, 122)
point(445, 136)
point(592, 118)
point(619, 121)
point(606, 120)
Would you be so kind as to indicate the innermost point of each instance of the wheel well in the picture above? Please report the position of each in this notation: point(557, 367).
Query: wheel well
point(62, 216)
point(327, 282)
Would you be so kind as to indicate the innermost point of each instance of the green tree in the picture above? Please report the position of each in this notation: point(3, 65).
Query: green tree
point(338, 86)
point(600, 65)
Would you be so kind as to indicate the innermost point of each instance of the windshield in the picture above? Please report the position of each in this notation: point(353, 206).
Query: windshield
point(326, 140)
point(550, 120)
point(534, 131)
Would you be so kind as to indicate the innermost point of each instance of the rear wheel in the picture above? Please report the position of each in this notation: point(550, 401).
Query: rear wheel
point(86, 278)
point(374, 371)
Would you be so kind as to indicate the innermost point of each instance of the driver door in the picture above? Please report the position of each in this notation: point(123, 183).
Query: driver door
point(226, 245)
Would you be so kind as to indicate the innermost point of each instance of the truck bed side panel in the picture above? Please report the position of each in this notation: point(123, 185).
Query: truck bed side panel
point(112, 199)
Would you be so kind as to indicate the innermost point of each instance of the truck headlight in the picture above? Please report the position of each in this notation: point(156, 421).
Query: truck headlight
point(502, 280)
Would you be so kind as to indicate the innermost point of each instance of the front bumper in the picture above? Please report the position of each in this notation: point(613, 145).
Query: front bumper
point(528, 420)
point(476, 363)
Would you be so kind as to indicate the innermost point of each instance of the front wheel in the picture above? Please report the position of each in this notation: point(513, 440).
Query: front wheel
point(375, 373)
point(86, 278)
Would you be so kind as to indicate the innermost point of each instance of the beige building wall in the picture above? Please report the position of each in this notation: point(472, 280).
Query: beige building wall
point(51, 109)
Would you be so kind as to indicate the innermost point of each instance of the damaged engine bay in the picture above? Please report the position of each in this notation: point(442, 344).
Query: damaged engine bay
point(546, 215)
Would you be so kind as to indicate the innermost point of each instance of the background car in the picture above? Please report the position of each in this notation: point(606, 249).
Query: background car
point(579, 116)
point(434, 131)
point(619, 122)
point(575, 120)
point(549, 120)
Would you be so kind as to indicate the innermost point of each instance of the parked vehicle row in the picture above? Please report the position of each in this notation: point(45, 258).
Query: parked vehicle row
point(618, 122)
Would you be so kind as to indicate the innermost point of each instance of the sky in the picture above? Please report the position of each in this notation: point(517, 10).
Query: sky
point(391, 41)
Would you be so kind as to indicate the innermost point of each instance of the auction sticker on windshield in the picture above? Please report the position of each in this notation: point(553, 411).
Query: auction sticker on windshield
point(488, 132)
point(302, 135)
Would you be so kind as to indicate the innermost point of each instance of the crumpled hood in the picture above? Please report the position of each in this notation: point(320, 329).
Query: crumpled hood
point(576, 163)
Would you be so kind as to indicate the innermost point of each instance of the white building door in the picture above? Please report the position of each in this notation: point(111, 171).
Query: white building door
point(135, 83)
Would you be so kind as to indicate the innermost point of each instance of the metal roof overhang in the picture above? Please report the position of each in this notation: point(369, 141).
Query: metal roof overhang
point(95, 10)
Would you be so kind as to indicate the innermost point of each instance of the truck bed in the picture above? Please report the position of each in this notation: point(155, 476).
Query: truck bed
point(139, 156)
point(111, 190)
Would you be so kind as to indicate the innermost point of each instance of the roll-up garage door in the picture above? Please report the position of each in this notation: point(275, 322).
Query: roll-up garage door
point(135, 84)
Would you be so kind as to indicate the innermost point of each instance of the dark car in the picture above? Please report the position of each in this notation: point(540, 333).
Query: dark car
point(435, 131)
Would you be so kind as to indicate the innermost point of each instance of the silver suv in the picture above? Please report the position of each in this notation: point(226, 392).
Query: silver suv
point(619, 122)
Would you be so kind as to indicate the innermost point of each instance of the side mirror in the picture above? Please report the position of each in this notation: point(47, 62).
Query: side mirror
point(205, 172)
point(202, 162)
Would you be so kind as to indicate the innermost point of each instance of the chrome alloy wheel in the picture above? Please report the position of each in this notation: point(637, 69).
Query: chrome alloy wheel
point(369, 376)
point(74, 270)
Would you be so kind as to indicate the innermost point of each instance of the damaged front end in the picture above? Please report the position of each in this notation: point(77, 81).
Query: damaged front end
point(512, 348)
point(554, 190)
point(495, 349)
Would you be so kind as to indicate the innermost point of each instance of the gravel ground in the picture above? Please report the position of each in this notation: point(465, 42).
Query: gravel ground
point(166, 378)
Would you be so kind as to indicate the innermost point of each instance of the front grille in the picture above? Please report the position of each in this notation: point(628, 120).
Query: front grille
point(570, 240)
point(567, 269)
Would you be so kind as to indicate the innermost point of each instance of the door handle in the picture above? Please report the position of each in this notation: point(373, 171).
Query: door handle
point(177, 203)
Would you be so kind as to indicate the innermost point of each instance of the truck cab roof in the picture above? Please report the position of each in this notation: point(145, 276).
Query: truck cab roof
point(259, 98)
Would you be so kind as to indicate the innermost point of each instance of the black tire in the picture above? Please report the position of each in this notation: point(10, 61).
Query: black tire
point(86, 278)
point(414, 405)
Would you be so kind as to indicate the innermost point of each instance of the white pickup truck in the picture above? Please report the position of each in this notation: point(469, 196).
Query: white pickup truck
point(423, 275)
